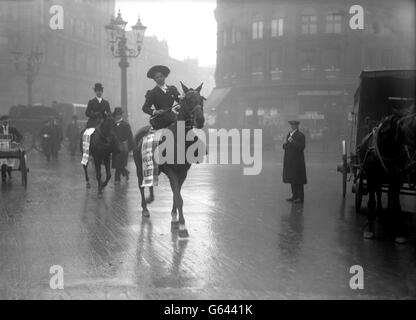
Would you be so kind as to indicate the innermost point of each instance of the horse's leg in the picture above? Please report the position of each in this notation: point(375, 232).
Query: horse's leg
point(87, 178)
point(369, 232)
point(399, 217)
point(181, 180)
point(151, 196)
point(379, 202)
point(177, 200)
point(106, 161)
point(139, 171)
point(97, 163)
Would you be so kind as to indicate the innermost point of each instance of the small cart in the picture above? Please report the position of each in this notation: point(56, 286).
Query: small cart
point(10, 152)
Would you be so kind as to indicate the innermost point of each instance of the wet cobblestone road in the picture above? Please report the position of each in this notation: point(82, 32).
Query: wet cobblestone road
point(246, 241)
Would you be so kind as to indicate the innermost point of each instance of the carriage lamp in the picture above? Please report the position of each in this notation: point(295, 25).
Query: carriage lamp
point(117, 39)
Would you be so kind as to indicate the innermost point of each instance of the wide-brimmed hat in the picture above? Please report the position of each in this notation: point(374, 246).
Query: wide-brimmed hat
point(294, 122)
point(98, 86)
point(117, 111)
point(3, 118)
point(155, 69)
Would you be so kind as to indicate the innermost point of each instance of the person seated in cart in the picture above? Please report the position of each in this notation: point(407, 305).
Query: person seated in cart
point(7, 130)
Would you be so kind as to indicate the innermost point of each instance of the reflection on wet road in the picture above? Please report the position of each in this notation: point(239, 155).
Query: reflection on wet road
point(246, 241)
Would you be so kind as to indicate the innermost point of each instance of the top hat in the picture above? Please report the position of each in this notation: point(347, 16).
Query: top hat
point(98, 87)
point(155, 69)
point(3, 118)
point(117, 111)
point(294, 122)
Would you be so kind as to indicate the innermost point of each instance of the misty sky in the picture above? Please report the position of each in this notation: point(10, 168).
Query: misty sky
point(188, 26)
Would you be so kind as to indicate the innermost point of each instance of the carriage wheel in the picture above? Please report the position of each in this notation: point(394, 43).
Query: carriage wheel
point(23, 168)
point(359, 191)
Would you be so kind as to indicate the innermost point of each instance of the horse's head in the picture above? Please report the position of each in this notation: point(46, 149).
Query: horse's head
point(107, 124)
point(407, 127)
point(192, 105)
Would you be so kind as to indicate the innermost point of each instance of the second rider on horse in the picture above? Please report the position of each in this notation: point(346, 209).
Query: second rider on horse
point(97, 107)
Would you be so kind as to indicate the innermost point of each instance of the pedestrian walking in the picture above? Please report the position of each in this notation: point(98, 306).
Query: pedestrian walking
point(294, 169)
point(124, 134)
point(73, 135)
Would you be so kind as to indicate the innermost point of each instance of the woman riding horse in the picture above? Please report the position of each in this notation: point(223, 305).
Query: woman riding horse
point(192, 115)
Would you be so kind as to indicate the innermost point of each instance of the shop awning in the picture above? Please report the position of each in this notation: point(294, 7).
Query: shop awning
point(216, 98)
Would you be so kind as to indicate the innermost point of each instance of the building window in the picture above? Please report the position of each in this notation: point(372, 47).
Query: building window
point(256, 67)
point(331, 63)
point(277, 27)
point(235, 35)
point(307, 63)
point(224, 38)
point(257, 28)
point(276, 66)
point(309, 24)
point(333, 23)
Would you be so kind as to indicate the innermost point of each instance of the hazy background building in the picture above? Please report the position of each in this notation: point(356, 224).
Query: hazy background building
point(282, 59)
point(79, 55)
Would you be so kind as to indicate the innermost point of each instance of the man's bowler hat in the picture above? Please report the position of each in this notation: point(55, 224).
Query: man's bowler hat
point(294, 122)
point(4, 118)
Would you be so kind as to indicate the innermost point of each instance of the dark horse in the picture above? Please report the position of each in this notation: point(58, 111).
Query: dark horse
point(103, 142)
point(191, 112)
point(384, 155)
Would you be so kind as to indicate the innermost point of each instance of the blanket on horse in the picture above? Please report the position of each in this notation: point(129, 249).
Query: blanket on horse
point(86, 139)
point(150, 167)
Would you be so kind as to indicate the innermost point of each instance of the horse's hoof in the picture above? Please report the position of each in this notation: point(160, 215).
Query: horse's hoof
point(88, 185)
point(400, 240)
point(146, 213)
point(368, 235)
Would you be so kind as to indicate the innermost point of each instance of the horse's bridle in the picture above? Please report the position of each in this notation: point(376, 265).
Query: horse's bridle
point(384, 159)
point(191, 114)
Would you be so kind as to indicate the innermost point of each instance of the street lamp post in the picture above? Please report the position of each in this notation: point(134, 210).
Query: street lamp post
point(116, 32)
point(32, 62)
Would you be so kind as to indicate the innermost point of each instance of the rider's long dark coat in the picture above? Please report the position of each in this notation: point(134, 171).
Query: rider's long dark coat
point(92, 108)
point(159, 99)
point(294, 169)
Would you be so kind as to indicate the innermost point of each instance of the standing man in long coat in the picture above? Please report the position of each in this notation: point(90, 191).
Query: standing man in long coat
point(294, 169)
point(124, 134)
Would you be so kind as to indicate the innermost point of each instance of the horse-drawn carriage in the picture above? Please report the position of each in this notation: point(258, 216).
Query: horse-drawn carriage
point(379, 92)
point(29, 121)
point(10, 152)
